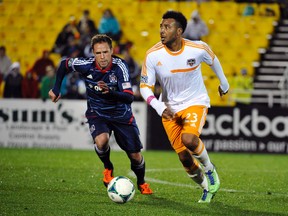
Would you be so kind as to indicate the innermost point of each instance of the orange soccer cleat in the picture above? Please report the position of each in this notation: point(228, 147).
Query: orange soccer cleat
point(145, 189)
point(108, 176)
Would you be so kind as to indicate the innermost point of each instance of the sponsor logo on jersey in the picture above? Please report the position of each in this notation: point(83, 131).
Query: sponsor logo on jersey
point(90, 76)
point(126, 85)
point(191, 62)
point(112, 78)
point(159, 63)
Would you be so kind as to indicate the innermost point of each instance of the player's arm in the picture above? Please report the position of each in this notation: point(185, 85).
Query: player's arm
point(125, 96)
point(54, 93)
point(147, 82)
point(211, 59)
point(217, 68)
point(160, 107)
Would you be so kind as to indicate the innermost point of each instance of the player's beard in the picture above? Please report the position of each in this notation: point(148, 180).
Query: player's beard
point(170, 42)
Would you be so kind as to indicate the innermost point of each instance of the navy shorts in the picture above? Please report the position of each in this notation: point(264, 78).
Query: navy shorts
point(126, 134)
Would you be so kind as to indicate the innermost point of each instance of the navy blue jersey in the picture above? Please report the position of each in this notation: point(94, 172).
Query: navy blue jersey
point(115, 105)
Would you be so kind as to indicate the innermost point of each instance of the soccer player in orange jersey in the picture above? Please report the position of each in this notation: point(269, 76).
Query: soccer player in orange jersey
point(176, 63)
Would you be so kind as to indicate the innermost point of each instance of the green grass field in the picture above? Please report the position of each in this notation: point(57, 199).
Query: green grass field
point(68, 182)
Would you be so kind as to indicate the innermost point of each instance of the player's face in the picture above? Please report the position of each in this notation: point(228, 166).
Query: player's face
point(168, 31)
point(103, 54)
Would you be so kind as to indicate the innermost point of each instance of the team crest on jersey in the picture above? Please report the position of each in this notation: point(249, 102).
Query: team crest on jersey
point(191, 62)
point(112, 78)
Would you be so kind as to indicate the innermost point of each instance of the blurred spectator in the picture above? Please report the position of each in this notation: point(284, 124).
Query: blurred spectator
point(70, 30)
point(75, 87)
point(72, 49)
point(5, 63)
point(47, 82)
point(110, 26)
point(243, 85)
point(13, 82)
point(248, 10)
point(39, 67)
point(30, 86)
point(196, 27)
point(85, 22)
point(84, 42)
point(269, 12)
point(87, 30)
point(87, 51)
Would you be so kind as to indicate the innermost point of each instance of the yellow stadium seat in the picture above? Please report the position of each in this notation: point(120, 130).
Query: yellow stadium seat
point(187, 7)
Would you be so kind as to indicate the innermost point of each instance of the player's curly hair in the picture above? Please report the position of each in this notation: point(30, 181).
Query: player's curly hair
point(178, 16)
point(100, 38)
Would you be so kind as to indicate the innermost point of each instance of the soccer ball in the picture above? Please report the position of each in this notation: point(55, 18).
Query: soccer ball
point(121, 189)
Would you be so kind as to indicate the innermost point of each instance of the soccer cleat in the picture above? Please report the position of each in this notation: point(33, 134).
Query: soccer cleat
point(145, 189)
point(108, 176)
point(206, 197)
point(213, 181)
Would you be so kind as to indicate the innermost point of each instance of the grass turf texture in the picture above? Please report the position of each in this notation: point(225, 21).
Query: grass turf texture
point(69, 182)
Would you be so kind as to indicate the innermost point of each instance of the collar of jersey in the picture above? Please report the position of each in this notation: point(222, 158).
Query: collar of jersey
point(177, 52)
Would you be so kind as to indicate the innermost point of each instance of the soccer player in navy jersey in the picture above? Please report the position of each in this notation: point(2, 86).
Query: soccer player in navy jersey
point(109, 97)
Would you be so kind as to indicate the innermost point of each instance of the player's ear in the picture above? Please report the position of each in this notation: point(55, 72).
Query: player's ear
point(179, 31)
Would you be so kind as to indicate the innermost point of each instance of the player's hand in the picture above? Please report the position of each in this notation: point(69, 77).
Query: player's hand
point(105, 89)
point(221, 92)
point(168, 114)
point(53, 97)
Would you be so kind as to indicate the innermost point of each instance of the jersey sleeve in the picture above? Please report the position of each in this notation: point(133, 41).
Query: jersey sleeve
point(211, 59)
point(62, 70)
point(124, 81)
point(217, 68)
point(81, 65)
point(147, 82)
point(209, 55)
point(125, 93)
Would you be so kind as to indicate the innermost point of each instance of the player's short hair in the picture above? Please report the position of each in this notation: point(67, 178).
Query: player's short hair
point(101, 38)
point(178, 17)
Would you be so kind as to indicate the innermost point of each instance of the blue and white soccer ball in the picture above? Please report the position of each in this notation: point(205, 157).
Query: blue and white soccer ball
point(121, 189)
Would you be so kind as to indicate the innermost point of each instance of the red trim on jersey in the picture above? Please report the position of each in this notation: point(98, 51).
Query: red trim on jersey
point(150, 98)
point(66, 63)
point(131, 119)
point(92, 116)
point(129, 91)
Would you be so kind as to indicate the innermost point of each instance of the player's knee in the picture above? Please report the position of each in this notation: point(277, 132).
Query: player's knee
point(191, 141)
point(101, 141)
point(136, 158)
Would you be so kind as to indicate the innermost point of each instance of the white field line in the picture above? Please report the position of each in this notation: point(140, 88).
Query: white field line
point(131, 174)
